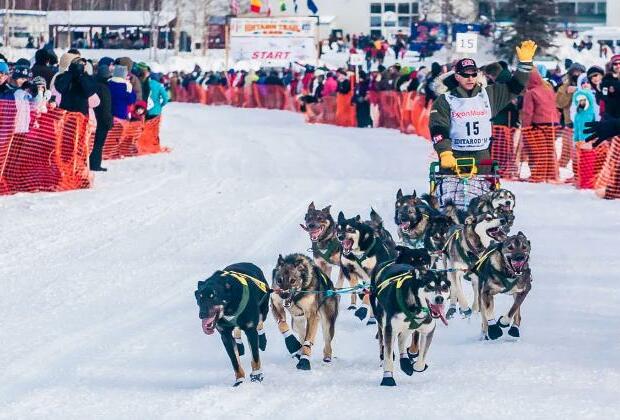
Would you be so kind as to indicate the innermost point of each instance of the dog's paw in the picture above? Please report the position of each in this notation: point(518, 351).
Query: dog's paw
point(371, 321)
point(494, 332)
point(327, 359)
point(256, 376)
point(388, 379)
point(466, 313)
point(502, 322)
point(451, 312)
point(514, 332)
point(303, 364)
point(292, 344)
point(238, 382)
point(412, 356)
point(240, 347)
point(361, 312)
point(351, 307)
point(262, 341)
point(418, 370)
point(406, 366)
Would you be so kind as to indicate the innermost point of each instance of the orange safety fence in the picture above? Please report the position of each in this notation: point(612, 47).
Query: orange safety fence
point(537, 151)
point(527, 154)
point(607, 183)
point(50, 151)
point(51, 156)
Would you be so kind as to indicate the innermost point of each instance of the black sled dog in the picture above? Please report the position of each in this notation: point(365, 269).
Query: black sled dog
point(236, 297)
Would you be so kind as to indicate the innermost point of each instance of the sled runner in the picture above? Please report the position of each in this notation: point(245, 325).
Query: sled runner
point(463, 184)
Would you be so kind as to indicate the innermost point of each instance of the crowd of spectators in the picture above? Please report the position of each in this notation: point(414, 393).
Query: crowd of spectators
point(105, 91)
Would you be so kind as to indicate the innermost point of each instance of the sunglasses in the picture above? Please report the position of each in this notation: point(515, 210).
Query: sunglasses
point(617, 63)
point(469, 75)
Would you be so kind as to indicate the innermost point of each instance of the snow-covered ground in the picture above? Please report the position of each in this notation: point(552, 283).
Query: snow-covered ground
point(98, 317)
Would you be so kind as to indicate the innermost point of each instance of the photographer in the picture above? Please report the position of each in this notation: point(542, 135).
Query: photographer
point(76, 87)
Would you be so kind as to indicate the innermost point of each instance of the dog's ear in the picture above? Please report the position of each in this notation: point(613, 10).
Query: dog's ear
point(358, 218)
point(280, 259)
point(399, 194)
point(341, 218)
point(311, 206)
point(327, 209)
point(374, 216)
point(415, 194)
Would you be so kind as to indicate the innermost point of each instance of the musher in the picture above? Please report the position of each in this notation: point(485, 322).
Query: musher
point(460, 120)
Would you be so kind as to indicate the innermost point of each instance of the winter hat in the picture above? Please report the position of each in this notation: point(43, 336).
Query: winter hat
point(595, 70)
point(103, 71)
point(120, 71)
point(4, 67)
point(39, 81)
point(576, 67)
point(465, 64)
point(435, 68)
point(65, 61)
point(615, 58)
point(20, 72)
point(140, 104)
point(156, 76)
point(582, 80)
point(142, 66)
point(105, 62)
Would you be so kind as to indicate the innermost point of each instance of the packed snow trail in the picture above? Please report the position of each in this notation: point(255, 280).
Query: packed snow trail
point(98, 317)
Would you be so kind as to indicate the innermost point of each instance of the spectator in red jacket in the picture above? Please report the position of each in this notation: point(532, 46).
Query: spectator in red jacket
point(539, 106)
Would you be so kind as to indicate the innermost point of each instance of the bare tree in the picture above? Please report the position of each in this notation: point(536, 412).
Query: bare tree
point(155, 10)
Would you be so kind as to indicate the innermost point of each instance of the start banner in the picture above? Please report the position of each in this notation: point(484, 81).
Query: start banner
point(273, 42)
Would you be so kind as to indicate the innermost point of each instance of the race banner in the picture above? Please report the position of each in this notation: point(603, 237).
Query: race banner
point(273, 42)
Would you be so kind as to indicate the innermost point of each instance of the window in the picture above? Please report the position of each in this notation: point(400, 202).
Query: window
point(375, 33)
point(389, 7)
point(403, 8)
point(566, 9)
point(602, 8)
point(389, 23)
point(375, 21)
point(375, 7)
point(404, 21)
point(586, 9)
point(415, 8)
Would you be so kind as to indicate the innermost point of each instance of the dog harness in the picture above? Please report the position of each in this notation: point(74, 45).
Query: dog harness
point(244, 279)
point(415, 321)
point(332, 246)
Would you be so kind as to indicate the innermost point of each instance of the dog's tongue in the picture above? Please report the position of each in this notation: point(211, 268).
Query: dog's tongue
point(347, 244)
point(314, 234)
point(208, 325)
point(437, 311)
point(517, 265)
point(405, 226)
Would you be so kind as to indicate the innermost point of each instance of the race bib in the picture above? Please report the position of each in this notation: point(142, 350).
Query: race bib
point(470, 122)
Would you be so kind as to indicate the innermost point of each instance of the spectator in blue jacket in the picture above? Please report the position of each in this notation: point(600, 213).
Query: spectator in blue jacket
point(121, 92)
point(158, 97)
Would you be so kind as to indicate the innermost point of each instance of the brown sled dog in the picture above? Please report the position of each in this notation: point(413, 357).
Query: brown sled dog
point(504, 269)
point(326, 248)
point(300, 288)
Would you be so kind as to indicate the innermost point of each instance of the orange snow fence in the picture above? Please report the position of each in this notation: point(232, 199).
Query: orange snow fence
point(527, 154)
point(607, 183)
point(51, 152)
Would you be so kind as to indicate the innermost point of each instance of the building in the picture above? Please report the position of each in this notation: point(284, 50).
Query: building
point(572, 12)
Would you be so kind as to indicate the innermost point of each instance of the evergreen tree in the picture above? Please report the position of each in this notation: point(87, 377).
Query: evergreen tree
point(533, 19)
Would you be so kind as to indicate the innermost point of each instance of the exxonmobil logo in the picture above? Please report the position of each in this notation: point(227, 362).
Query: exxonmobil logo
point(468, 114)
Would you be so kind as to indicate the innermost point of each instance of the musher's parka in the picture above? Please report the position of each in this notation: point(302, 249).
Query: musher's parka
point(499, 96)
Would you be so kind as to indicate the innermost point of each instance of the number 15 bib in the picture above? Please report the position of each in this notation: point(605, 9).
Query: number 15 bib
point(470, 122)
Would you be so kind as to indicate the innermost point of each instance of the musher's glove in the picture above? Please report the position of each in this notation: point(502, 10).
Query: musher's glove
point(447, 160)
point(526, 51)
point(602, 130)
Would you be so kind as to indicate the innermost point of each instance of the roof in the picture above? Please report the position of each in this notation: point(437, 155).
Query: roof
point(19, 12)
point(105, 18)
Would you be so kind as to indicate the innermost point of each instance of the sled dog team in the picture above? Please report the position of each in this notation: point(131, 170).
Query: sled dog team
point(403, 289)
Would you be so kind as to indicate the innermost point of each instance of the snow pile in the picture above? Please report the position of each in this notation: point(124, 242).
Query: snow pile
point(98, 317)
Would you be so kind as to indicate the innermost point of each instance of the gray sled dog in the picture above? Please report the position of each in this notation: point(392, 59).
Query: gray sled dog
point(502, 201)
point(300, 287)
point(465, 245)
point(505, 269)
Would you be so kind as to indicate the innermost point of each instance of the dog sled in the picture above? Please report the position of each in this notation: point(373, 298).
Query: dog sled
point(464, 183)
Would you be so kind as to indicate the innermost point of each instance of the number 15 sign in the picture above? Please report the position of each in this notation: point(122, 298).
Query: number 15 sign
point(467, 42)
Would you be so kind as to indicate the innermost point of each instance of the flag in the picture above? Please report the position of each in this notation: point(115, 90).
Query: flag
point(312, 7)
point(283, 5)
point(234, 7)
point(255, 6)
